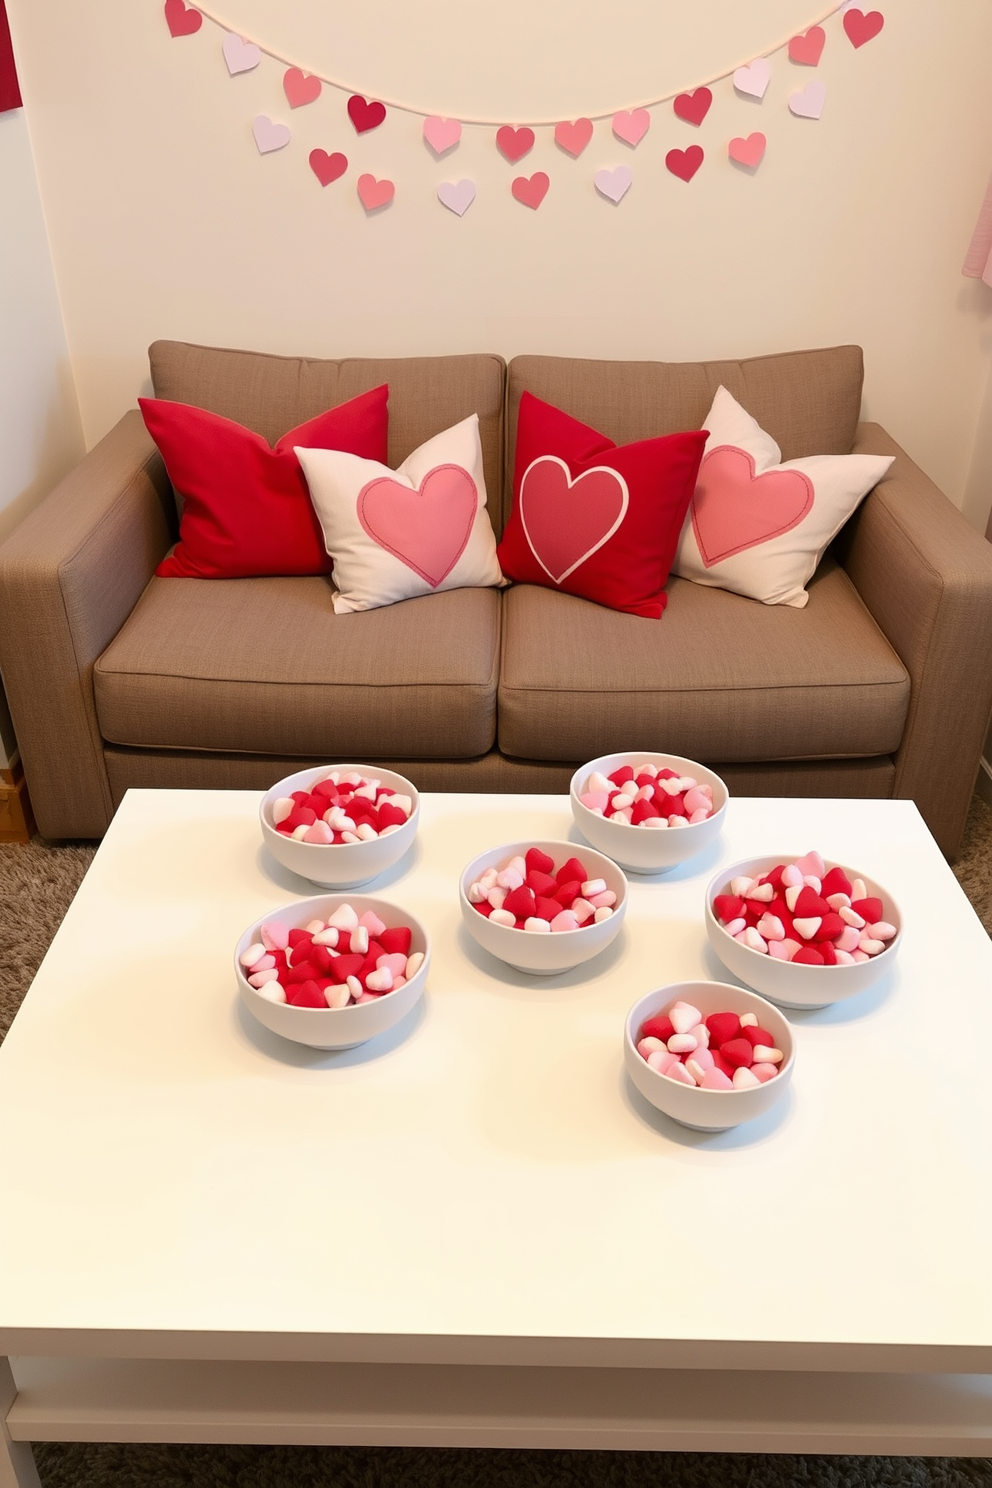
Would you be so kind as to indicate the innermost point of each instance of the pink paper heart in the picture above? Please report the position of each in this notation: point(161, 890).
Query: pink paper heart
point(364, 115)
point(514, 143)
point(685, 163)
point(442, 134)
point(614, 184)
point(240, 55)
point(693, 107)
point(754, 78)
point(269, 136)
point(565, 521)
point(300, 87)
point(375, 193)
point(531, 190)
point(808, 102)
point(328, 168)
point(573, 136)
point(748, 151)
point(427, 529)
point(807, 47)
point(733, 509)
point(631, 125)
point(860, 27)
point(457, 196)
point(182, 21)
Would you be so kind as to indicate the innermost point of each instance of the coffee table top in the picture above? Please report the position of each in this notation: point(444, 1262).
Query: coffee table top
point(483, 1184)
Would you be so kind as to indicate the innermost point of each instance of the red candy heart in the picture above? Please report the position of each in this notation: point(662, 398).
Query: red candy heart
point(390, 815)
point(830, 927)
point(809, 905)
point(342, 967)
point(756, 1036)
point(397, 940)
point(546, 909)
point(659, 1027)
point(621, 776)
point(521, 902)
point(544, 884)
point(728, 907)
point(737, 1053)
point(722, 1027)
point(538, 861)
point(870, 910)
point(573, 871)
point(567, 892)
point(307, 994)
point(835, 881)
point(808, 957)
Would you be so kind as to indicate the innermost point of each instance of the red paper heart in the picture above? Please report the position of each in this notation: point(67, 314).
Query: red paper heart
point(807, 47)
point(685, 163)
point(860, 27)
point(573, 136)
point(365, 115)
point(300, 88)
point(427, 529)
point(373, 193)
point(328, 168)
point(733, 509)
point(514, 143)
point(693, 107)
point(566, 521)
point(183, 21)
point(531, 190)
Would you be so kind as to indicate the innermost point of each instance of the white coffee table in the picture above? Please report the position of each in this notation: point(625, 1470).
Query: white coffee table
point(474, 1232)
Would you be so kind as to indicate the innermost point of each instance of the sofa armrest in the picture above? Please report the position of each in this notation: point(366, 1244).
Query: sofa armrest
point(926, 576)
point(70, 575)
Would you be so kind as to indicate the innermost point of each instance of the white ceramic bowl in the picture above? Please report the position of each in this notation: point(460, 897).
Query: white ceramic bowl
point(643, 849)
point(334, 1028)
point(707, 1110)
point(784, 982)
point(342, 865)
point(530, 950)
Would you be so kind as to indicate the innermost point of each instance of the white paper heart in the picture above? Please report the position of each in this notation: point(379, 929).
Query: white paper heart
point(614, 184)
point(240, 55)
point(269, 136)
point(754, 79)
point(808, 102)
point(457, 196)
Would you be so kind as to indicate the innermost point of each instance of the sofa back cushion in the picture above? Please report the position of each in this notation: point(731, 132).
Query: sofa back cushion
point(271, 394)
point(809, 401)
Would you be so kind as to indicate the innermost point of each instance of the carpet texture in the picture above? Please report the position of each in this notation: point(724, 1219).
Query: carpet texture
point(37, 883)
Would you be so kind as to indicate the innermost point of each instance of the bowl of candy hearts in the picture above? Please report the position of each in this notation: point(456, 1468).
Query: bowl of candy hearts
point(333, 971)
point(648, 812)
point(340, 827)
point(708, 1054)
point(541, 907)
point(803, 931)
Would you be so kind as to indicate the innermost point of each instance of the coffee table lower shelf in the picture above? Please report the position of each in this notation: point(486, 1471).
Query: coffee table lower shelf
point(499, 1406)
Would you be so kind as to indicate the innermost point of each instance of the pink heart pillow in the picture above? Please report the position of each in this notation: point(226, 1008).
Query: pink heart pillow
point(756, 526)
point(593, 518)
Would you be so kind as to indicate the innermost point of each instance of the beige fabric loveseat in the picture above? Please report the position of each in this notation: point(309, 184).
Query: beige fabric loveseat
point(881, 686)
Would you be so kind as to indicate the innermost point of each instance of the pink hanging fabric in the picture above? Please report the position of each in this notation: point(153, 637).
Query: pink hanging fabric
point(978, 263)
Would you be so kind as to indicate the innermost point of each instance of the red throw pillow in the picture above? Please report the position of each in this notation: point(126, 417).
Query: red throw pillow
point(593, 518)
point(246, 505)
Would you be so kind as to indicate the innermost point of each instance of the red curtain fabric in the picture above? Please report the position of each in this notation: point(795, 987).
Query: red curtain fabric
point(10, 93)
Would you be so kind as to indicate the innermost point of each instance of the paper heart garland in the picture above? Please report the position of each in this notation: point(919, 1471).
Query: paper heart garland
point(573, 136)
point(269, 136)
point(808, 103)
point(240, 55)
point(860, 27)
point(754, 78)
point(693, 107)
point(328, 168)
point(614, 184)
point(427, 529)
point(685, 163)
point(733, 509)
point(365, 115)
point(531, 190)
point(807, 47)
point(375, 193)
point(300, 87)
point(457, 196)
point(748, 151)
point(182, 21)
point(442, 134)
point(565, 521)
point(514, 143)
point(631, 126)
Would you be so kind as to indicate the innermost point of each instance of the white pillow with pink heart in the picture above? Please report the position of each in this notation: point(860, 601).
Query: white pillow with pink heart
point(758, 527)
point(394, 534)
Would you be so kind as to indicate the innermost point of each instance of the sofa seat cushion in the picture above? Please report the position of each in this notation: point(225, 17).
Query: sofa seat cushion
point(718, 678)
point(264, 666)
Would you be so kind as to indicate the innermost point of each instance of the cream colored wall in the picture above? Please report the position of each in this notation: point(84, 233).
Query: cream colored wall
point(165, 221)
point(40, 433)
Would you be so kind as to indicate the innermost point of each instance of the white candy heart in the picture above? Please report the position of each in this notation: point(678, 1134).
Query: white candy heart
point(502, 917)
point(282, 807)
point(380, 980)
point(771, 927)
point(359, 942)
point(749, 1020)
point(414, 962)
point(765, 1054)
point(254, 953)
point(755, 941)
point(338, 995)
point(743, 1079)
point(763, 893)
point(273, 992)
point(343, 918)
point(807, 927)
point(602, 913)
point(684, 1016)
point(535, 923)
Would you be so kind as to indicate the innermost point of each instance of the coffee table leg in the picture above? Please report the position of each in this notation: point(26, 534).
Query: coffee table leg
point(17, 1469)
